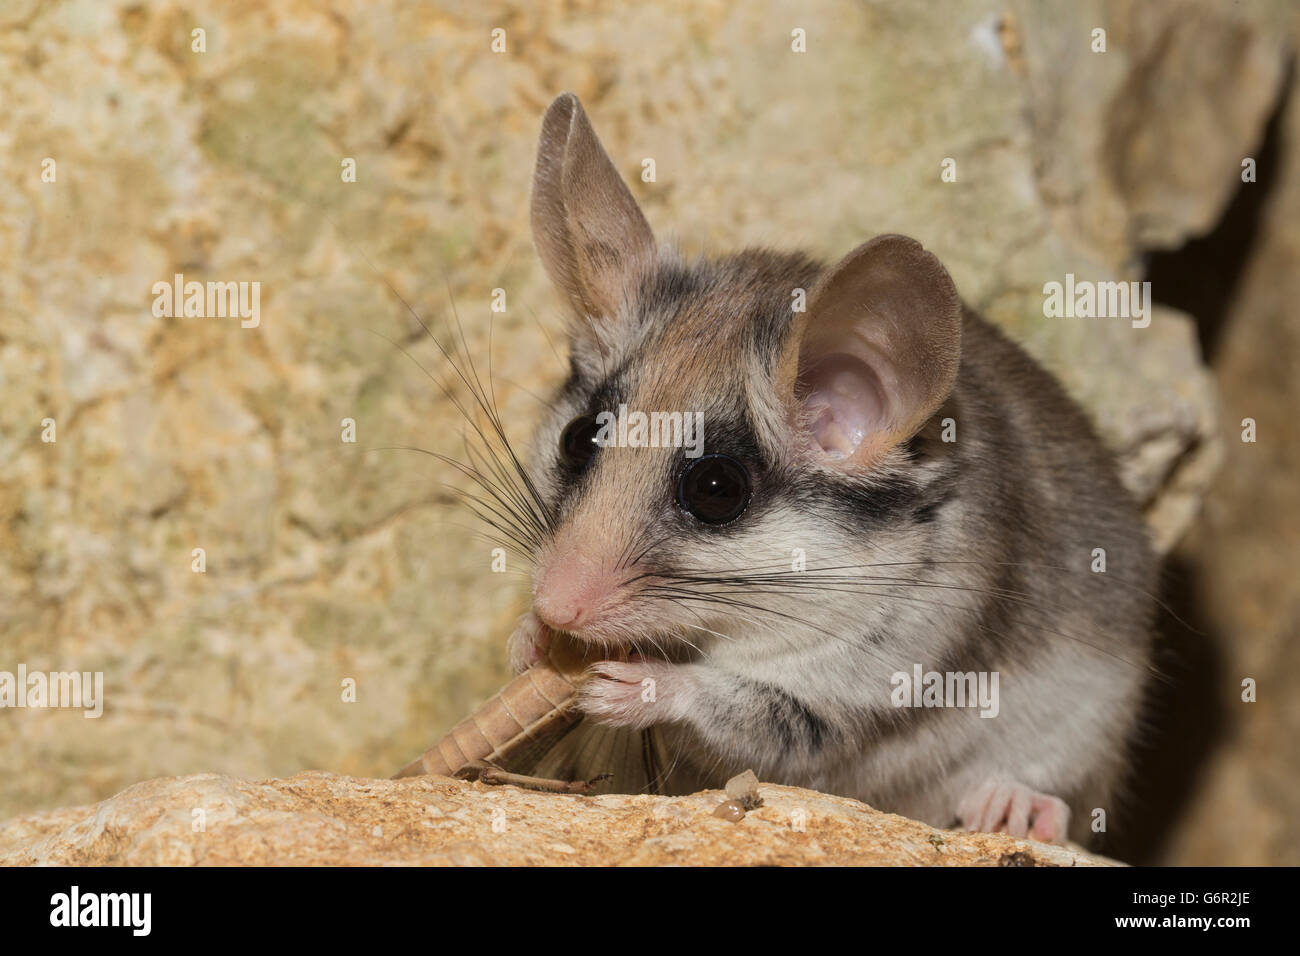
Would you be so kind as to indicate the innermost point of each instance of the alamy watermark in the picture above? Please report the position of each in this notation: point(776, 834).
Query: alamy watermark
point(651, 430)
point(1085, 299)
point(130, 910)
point(208, 300)
point(41, 689)
point(950, 689)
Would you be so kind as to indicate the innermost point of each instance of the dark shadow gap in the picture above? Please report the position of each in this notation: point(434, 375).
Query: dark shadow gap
point(1181, 725)
point(1182, 721)
point(1201, 277)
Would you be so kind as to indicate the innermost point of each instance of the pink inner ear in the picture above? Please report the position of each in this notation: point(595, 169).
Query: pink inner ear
point(844, 404)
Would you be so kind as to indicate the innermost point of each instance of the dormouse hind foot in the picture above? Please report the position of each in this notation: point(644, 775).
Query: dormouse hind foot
point(1000, 805)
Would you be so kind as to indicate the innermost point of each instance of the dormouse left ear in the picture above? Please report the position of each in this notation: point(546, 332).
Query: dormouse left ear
point(875, 354)
point(588, 229)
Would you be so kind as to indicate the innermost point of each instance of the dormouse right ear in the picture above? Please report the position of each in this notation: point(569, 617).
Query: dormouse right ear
point(875, 354)
point(589, 231)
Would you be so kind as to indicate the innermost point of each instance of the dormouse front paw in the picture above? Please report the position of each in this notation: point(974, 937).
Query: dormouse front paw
point(637, 693)
point(528, 643)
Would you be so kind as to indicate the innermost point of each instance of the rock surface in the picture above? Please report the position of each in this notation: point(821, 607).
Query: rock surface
point(323, 819)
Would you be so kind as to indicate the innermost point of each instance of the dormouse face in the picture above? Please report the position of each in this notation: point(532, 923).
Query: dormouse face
point(709, 429)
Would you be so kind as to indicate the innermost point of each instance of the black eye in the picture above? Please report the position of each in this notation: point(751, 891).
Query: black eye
point(714, 489)
point(578, 442)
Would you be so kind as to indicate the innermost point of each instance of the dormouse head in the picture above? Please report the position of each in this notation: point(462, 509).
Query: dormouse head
point(719, 416)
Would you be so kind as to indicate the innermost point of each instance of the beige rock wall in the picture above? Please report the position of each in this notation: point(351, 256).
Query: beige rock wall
point(329, 561)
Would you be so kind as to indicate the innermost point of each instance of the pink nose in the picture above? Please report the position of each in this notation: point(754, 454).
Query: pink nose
point(570, 591)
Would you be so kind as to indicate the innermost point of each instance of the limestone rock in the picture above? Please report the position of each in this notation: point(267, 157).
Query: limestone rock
point(323, 819)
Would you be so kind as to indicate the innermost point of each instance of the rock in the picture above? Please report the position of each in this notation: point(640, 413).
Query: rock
point(1240, 561)
point(323, 819)
point(743, 789)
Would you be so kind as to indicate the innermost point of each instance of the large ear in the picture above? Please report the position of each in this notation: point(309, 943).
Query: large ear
point(875, 354)
point(589, 231)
